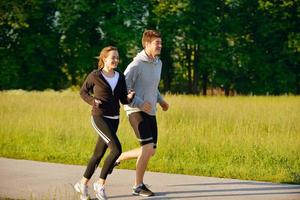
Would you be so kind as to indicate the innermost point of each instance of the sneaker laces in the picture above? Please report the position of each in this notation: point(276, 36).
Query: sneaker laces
point(141, 185)
point(85, 190)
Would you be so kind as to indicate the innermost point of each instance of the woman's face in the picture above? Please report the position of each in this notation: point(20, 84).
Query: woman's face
point(112, 60)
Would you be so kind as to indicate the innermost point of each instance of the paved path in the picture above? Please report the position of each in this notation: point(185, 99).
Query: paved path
point(23, 179)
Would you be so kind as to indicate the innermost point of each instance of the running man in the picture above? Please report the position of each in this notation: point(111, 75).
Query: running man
point(143, 76)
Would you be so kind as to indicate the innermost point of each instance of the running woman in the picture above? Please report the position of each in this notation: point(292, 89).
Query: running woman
point(143, 76)
point(103, 89)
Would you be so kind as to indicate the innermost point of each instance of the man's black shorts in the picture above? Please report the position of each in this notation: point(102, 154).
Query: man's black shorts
point(145, 127)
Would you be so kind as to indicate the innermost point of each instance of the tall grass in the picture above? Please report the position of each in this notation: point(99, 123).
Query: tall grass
point(255, 138)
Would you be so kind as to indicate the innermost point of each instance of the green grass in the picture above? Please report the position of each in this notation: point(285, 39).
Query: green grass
point(256, 138)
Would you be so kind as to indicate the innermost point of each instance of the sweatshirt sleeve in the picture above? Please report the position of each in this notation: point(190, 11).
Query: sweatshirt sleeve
point(87, 89)
point(131, 74)
point(159, 97)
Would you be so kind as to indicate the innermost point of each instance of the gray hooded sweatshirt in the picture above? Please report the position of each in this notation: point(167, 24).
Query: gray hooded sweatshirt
point(143, 76)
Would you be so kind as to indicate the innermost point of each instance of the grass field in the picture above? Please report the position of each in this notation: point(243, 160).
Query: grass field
point(255, 138)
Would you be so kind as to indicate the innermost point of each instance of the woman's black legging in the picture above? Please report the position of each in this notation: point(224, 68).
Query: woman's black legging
point(107, 131)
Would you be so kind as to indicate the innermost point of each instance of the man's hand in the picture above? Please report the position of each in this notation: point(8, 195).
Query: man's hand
point(146, 107)
point(164, 105)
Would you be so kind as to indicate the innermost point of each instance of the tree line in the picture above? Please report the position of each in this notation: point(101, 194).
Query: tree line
point(245, 46)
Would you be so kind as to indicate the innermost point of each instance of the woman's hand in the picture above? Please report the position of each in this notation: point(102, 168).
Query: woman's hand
point(97, 102)
point(130, 95)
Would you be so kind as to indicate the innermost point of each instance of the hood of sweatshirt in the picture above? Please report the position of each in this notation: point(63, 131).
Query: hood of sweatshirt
point(142, 56)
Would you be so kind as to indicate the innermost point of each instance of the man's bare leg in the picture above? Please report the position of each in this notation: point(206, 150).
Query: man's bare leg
point(141, 165)
point(131, 154)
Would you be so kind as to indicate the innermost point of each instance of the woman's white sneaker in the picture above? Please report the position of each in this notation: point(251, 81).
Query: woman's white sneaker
point(82, 190)
point(100, 192)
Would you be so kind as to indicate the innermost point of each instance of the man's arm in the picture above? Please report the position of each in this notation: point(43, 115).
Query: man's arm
point(164, 105)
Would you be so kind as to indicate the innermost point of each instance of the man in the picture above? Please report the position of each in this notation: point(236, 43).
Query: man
point(143, 76)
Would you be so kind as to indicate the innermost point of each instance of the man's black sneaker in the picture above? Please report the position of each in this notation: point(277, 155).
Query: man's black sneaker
point(115, 165)
point(142, 190)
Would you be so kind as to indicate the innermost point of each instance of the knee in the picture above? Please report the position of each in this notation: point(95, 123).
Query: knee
point(153, 152)
point(148, 150)
point(116, 151)
point(97, 157)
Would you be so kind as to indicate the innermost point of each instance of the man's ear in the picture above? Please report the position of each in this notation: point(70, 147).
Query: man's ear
point(147, 44)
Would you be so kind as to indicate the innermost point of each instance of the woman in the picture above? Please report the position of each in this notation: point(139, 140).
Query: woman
point(103, 89)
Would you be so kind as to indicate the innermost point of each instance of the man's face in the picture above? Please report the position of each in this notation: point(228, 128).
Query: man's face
point(154, 47)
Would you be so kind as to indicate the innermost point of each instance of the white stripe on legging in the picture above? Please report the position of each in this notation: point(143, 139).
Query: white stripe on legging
point(102, 135)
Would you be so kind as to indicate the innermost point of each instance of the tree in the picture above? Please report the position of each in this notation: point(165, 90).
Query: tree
point(30, 46)
point(88, 26)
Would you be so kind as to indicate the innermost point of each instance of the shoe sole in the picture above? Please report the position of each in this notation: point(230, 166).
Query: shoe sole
point(99, 198)
point(142, 195)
